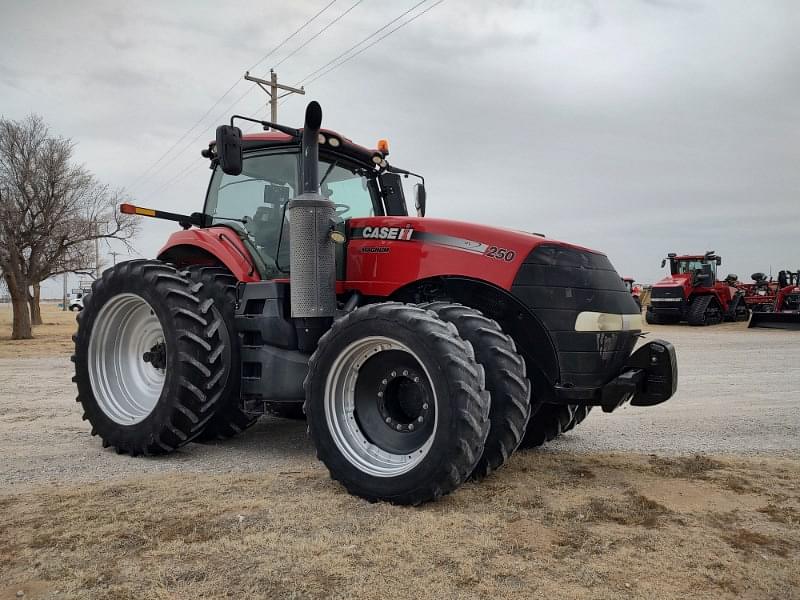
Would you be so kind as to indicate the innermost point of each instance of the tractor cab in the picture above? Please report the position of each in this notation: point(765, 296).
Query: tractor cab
point(701, 268)
point(358, 181)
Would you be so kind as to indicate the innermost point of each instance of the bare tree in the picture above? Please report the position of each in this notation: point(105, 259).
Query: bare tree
point(51, 210)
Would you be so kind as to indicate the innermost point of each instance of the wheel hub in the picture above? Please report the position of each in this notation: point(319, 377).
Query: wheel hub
point(380, 406)
point(156, 356)
point(402, 401)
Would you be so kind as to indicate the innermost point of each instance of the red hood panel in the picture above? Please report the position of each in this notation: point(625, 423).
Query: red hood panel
point(385, 253)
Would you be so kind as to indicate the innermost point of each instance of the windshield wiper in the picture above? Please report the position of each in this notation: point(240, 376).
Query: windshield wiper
point(328, 172)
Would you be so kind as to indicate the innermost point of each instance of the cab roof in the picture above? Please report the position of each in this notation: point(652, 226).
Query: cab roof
point(272, 139)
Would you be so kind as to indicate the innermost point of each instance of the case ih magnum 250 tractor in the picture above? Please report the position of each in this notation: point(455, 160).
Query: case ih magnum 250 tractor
point(693, 294)
point(424, 351)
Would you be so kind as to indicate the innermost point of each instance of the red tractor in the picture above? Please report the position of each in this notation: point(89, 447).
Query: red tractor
point(693, 294)
point(635, 290)
point(423, 351)
point(784, 311)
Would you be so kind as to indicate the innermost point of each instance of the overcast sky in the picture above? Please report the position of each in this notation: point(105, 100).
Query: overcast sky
point(634, 127)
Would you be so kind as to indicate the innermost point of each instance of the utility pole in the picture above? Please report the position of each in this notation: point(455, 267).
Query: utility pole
point(271, 87)
point(114, 256)
point(64, 306)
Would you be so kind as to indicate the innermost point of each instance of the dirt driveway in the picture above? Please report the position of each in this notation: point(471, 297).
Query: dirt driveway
point(623, 507)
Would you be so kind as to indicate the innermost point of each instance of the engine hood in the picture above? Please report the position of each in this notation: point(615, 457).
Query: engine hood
point(682, 280)
point(385, 253)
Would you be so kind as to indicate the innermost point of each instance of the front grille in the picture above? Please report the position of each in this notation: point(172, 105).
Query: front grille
point(558, 282)
point(670, 293)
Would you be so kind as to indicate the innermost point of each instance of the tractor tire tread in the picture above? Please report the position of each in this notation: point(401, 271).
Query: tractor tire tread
point(219, 285)
point(506, 381)
point(186, 408)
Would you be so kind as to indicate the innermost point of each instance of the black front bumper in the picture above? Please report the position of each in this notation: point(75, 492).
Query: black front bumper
point(649, 377)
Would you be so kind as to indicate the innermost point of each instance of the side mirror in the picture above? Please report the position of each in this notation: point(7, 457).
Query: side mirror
point(419, 199)
point(663, 262)
point(229, 149)
point(719, 260)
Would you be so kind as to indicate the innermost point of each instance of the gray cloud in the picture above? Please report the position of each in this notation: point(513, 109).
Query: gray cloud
point(635, 127)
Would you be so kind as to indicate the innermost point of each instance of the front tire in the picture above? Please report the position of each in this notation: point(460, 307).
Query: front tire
point(547, 423)
point(151, 358)
point(506, 382)
point(396, 404)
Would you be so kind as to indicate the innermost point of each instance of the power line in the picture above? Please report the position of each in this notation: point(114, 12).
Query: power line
point(187, 132)
point(228, 91)
point(354, 46)
point(303, 26)
point(383, 37)
point(315, 36)
point(200, 134)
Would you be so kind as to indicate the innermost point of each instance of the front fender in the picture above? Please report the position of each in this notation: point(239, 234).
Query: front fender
point(211, 245)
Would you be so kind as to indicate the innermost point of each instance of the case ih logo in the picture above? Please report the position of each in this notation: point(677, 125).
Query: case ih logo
point(387, 233)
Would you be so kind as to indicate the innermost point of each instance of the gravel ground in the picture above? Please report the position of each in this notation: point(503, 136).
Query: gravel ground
point(739, 394)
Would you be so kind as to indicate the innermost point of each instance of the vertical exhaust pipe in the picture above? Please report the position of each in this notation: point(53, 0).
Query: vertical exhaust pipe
point(312, 251)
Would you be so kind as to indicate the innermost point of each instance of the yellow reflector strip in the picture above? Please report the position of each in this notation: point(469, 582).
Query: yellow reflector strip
point(147, 212)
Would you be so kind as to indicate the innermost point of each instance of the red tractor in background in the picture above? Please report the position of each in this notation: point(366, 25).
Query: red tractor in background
point(692, 293)
point(635, 289)
point(784, 310)
point(423, 351)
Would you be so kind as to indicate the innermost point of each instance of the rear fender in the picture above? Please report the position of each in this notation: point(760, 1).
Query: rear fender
point(210, 246)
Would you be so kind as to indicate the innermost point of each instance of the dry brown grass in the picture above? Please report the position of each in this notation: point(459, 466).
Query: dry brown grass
point(52, 338)
point(550, 526)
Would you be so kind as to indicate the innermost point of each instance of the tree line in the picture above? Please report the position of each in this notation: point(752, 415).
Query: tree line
point(51, 212)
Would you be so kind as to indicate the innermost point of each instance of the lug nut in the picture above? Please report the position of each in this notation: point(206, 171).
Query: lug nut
point(384, 382)
point(380, 394)
point(425, 406)
point(405, 373)
point(399, 427)
point(394, 373)
point(416, 379)
point(420, 419)
point(411, 427)
point(388, 419)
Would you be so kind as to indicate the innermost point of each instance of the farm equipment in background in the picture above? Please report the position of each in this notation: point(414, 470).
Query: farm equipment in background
point(759, 296)
point(635, 289)
point(784, 312)
point(411, 343)
point(693, 294)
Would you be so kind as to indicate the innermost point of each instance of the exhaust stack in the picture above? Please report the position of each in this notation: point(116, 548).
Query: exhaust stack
point(312, 251)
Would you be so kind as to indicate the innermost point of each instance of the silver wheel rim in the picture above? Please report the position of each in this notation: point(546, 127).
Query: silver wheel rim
point(342, 421)
point(125, 386)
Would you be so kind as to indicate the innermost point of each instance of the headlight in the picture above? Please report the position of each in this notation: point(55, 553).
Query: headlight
point(597, 321)
point(334, 142)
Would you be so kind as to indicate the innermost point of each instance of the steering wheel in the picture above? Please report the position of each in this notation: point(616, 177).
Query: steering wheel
point(341, 209)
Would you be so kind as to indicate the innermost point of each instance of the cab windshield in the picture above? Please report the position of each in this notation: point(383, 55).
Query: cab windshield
point(690, 266)
point(257, 199)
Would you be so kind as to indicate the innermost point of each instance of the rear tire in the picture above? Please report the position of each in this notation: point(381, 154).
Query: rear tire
point(547, 423)
point(506, 381)
point(151, 358)
point(220, 285)
point(396, 404)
